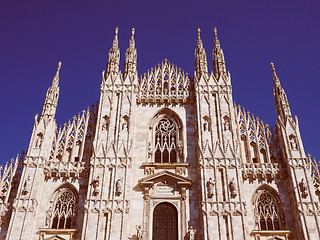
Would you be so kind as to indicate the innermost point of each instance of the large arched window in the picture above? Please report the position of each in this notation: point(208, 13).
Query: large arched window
point(63, 213)
point(268, 211)
point(165, 222)
point(166, 143)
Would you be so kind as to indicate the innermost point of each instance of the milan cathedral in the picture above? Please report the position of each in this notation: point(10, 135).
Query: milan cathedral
point(163, 156)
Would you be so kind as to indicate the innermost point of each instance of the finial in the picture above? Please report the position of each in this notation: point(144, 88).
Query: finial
point(116, 31)
point(132, 32)
point(199, 31)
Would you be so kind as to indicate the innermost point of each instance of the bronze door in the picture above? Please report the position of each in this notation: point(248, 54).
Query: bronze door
point(165, 222)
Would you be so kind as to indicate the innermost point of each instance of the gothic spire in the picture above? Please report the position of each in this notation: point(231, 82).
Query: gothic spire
point(280, 97)
point(201, 64)
point(114, 56)
point(130, 65)
point(50, 103)
point(219, 65)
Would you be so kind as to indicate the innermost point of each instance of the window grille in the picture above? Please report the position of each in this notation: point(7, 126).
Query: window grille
point(64, 210)
point(267, 212)
point(166, 134)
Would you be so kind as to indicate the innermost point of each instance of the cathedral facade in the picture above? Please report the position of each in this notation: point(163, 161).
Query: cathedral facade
point(163, 156)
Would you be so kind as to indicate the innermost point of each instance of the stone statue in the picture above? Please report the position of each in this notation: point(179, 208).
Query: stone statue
point(192, 233)
point(119, 187)
point(39, 140)
point(26, 185)
point(293, 143)
point(303, 188)
point(105, 124)
point(233, 188)
point(95, 184)
point(210, 188)
point(226, 124)
point(139, 232)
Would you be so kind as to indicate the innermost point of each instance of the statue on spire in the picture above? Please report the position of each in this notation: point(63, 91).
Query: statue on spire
point(201, 64)
point(219, 65)
point(130, 65)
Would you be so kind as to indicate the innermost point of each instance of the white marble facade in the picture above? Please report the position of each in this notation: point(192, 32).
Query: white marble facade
point(166, 155)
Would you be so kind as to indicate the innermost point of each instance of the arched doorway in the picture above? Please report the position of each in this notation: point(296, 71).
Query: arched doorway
point(165, 222)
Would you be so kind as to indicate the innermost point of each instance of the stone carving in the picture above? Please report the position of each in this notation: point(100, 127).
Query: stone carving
point(210, 188)
point(39, 140)
point(26, 185)
point(139, 232)
point(105, 124)
point(96, 184)
point(149, 170)
point(293, 142)
point(125, 123)
point(303, 188)
point(119, 187)
point(149, 150)
point(226, 124)
point(192, 233)
point(180, 148)
point(233, 188)
point(3, 192)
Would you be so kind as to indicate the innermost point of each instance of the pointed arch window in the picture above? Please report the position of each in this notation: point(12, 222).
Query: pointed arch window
point(267, 212)
point(64, 210)
point(166, 143)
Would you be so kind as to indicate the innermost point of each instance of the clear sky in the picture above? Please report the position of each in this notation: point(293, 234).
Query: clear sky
point(35, 35)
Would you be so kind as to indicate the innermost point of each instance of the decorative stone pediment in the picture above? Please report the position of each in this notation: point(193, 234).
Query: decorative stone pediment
point(165, 184)
point(165, 176)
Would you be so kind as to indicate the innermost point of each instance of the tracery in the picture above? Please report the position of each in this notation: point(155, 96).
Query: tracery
point(267, 212)
point(166, 135)
point(64, 210)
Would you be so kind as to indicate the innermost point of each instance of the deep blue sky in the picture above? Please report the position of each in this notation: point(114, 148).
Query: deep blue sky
point(35, 35)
